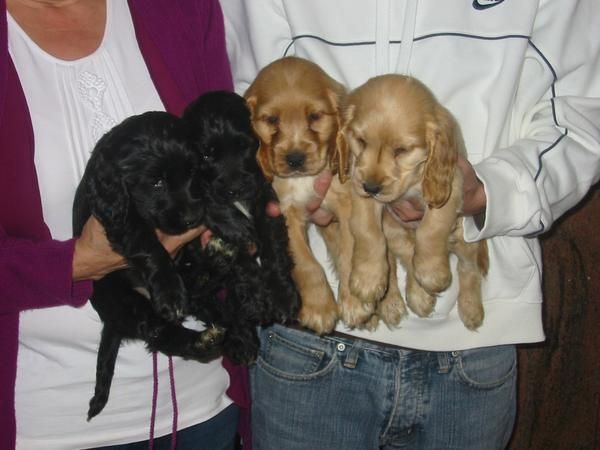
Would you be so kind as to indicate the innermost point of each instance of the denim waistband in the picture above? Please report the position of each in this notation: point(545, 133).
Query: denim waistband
point(345, 337)
point(351, 346)
point(338, 336)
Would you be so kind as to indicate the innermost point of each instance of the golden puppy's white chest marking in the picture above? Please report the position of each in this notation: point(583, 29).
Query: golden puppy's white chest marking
point(294, 191)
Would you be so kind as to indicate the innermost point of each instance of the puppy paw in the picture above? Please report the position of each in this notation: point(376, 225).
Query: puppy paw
point(368, 281)
point(171, 302)
point(169, 313)
point(419, 300)
point(356, 317)
point(354, 312)
point(371, 324)
point(209, 344)
point(320, 317)
point(391, 310)
point(432, 272)
point(470, 310)
point(210, 337)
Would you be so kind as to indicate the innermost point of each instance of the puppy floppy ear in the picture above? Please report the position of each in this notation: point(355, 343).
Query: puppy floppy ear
point(345, 116)
point(441, 140)
point(262, 154)
point(262, 157)
point(338, 157)
point(110, 200)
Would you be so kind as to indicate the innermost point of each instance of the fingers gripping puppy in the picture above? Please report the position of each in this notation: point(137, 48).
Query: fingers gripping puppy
point(295, 113)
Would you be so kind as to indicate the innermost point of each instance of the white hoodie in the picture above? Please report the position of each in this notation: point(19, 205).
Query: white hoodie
point(523, 79)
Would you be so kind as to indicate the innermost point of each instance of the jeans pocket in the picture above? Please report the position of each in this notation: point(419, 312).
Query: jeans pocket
point(486, 368)
point(294, 355)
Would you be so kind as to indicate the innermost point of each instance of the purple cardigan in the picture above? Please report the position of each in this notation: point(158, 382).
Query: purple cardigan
point(183, 45)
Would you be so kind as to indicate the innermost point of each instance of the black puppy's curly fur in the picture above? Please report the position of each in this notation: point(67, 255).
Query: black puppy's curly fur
point(142, 176)
point(155, 171)
point(219, 128)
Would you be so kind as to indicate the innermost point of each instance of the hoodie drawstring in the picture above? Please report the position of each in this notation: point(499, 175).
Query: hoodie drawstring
point(408, 36)
point(382, 27)
point(154, 401)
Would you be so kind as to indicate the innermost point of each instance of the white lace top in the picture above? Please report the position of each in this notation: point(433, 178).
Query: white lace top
point(72, 104)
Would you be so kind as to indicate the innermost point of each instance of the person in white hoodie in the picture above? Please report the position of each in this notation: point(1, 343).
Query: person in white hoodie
point(523, 80)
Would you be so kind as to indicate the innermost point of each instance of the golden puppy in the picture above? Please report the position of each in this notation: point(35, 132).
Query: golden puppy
point(405, 146)
point(295, 112)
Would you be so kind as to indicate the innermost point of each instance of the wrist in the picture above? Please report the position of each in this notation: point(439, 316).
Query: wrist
point(475, 200)
point(81, 269)
point(476, 204)
point(91, 264)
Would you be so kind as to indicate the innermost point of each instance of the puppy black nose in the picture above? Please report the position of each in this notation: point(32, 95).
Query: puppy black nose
point(295, 159)
point(371, 188)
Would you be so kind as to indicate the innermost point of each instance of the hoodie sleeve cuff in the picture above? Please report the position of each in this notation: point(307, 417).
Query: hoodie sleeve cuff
point(507, 195)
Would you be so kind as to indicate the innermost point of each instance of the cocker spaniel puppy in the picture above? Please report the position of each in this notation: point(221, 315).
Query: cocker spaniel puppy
point(295, 110)
point(257, 288)
point(405, 146)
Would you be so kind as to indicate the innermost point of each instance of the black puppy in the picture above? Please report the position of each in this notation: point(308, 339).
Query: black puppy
point(144, 176)
point(255, 293)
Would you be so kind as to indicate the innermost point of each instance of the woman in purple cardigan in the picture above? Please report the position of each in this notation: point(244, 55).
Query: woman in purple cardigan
point(68, 72)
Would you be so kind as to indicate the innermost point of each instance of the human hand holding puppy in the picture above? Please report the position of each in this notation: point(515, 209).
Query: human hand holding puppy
point(409, 212)
point(94, 257)
point(318, 215)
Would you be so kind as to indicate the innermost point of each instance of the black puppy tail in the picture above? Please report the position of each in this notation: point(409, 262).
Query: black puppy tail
point(110, 341)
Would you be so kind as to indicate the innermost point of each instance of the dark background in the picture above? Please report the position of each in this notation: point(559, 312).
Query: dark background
point(559, 384)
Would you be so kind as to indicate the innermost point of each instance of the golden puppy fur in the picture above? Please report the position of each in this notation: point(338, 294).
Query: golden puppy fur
point(295, 110)
point(405, 145)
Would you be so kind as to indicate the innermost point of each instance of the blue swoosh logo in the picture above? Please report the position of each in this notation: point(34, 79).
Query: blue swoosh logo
point(485, 4)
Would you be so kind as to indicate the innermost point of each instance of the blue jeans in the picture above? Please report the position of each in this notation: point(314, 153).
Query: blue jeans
point(218, 433)
point(335, 393)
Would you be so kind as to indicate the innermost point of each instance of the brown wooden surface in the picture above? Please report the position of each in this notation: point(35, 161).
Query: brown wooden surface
point(559, 384)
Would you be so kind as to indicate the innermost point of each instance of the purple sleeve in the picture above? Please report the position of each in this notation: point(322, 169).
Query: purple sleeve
point(219, 75)
point(190, 61)
point(38, 275)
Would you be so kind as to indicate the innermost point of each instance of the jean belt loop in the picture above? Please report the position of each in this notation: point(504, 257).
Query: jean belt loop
point(444, 362)
point(352, 357)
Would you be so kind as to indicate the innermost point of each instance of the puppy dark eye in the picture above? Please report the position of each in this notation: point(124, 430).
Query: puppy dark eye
point(361, 142)
point(399, 150)
point(209, 153)
point(272, 120)
point(313, 117)
point(158, 184)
